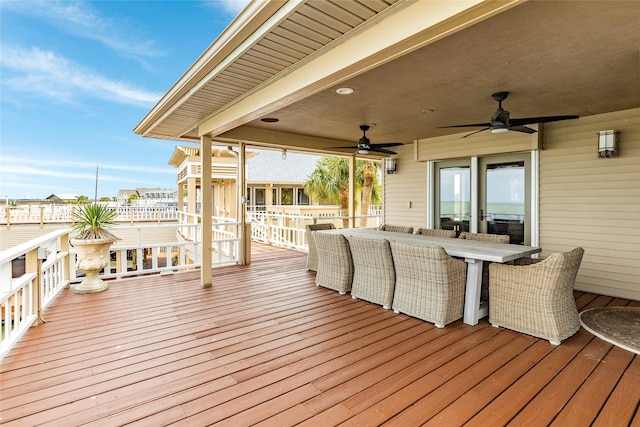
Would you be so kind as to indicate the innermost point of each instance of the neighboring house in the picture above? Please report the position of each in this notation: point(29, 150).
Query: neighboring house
point(147, 196)
point(277, 178)
point(156, 196)
point(273, 179)
point(415, 68)
point(124, 195)
point(63, 198)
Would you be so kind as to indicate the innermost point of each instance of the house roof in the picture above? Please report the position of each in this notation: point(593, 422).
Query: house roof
point(269, 167)
point(415, 67)
point(60, 196)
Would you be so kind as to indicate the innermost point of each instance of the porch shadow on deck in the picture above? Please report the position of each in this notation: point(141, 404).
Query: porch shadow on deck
point(265, 345)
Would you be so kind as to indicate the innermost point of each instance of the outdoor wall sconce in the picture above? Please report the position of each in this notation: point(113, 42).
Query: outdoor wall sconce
point(607, 143)
point(390, 165)
point(284, 154)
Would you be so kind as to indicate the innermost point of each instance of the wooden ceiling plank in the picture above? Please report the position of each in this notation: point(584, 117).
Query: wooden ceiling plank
point(261, 58)
point(283, 49)
point(280, 56)
point(363, 10)
point(336, 11)
point(284, 42)
point(314, 25)
point(295, 27)
point(250, 70)
point(325, 19)
point(298, 38)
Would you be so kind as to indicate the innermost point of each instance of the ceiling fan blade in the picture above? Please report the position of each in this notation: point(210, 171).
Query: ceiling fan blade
point(350, 146)
point(547, 119)
point(522, 129)
point(382, 150)
point(473, 133)
point(388, 144)
point(475, 125)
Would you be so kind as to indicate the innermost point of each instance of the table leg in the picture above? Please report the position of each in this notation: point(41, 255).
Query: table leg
point(472, 292)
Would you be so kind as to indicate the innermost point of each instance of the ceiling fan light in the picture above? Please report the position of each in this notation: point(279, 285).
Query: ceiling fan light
point(363, 151)
point(499, 130)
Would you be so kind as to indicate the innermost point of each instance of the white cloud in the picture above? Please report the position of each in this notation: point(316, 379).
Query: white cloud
point(80, 19)
point(46, 73)
point(52, 167)
point(234, 7)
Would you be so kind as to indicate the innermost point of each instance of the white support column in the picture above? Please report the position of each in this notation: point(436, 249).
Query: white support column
point(431, 191)
point(352, 192)
point(207, 208)
point(474, 175)
point(244, 231)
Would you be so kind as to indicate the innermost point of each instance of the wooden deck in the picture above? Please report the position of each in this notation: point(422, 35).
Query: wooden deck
point(265, 346)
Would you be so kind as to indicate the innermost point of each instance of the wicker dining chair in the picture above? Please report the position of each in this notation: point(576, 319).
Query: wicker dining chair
point(485, 237)
point(312, 255)
point(374, 276)
point(536, 299)
point(396, 228)
point(434, 232)
point(430, 284)
point(335, 266)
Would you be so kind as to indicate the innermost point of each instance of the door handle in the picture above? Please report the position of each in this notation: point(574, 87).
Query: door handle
point(482, 215)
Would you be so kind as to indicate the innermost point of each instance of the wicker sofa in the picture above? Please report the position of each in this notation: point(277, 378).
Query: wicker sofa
point(536, 299)
point(374, 275)
point(430, 284)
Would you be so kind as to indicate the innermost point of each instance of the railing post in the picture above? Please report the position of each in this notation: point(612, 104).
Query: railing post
point(8, 210)
point(118, 264)
point(64, 247)
point(34, 265)
point(245, 257)
point(41, 216)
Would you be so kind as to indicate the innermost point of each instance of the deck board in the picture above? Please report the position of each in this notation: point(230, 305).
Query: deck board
point(265, 346)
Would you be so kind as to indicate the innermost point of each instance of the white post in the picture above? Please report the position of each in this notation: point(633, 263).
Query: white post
point(207, 208)
point(352, 192)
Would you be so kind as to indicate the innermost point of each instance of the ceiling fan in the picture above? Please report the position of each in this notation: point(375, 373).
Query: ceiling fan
point(365, 146)
point(501, 122)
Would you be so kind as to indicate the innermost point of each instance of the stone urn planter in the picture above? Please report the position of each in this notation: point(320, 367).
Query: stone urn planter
point(93, 256)
point(92, 245)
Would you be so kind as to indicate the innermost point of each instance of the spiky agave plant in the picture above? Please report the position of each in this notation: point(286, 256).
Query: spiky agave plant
point(91, 220)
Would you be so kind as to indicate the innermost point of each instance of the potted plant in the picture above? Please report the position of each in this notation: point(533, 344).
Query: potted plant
point(92, 243)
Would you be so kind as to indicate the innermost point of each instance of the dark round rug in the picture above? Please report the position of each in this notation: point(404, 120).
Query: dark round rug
point(618, 325)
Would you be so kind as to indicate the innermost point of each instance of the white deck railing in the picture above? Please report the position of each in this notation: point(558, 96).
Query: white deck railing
point(64, 214)
point(289, 231)
point(24, 295)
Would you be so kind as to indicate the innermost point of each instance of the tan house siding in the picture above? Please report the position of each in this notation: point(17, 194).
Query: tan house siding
point(584, 201)
point(594, 203)
point(408, 184)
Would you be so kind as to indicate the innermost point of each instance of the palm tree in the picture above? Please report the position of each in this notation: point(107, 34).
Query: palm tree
point(329, 183)
point(370, 188)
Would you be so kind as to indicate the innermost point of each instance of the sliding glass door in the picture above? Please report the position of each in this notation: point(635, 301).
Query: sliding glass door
point(453, 195)
point(485, 194)
point(503, 196)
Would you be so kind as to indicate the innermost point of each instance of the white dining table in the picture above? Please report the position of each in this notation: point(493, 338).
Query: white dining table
point(474, 253)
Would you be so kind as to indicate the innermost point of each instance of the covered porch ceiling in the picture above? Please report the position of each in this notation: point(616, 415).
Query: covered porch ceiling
point(414, 67)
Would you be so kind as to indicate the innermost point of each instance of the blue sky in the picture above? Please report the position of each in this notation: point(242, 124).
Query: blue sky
point(77, 76)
